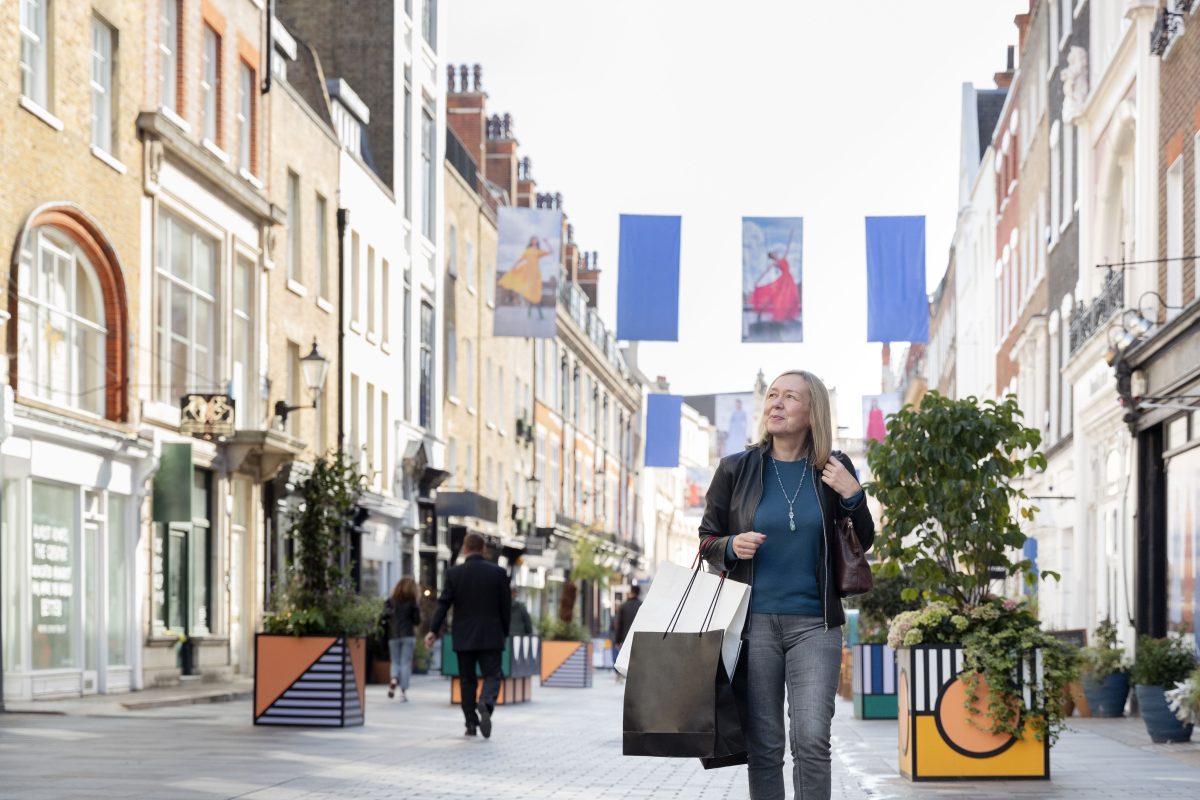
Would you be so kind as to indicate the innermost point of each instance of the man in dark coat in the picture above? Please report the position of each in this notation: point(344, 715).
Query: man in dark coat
point(478, 592)
point(625, 615)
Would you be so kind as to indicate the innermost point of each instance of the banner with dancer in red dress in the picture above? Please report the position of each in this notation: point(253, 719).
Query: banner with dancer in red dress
point(772, 278)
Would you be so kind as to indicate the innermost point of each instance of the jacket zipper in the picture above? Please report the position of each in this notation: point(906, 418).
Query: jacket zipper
point(825, 536)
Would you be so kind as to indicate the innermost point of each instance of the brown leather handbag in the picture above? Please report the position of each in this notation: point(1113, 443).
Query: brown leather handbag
point(853, 571)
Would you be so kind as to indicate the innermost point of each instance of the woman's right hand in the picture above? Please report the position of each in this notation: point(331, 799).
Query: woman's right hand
point(745, 545)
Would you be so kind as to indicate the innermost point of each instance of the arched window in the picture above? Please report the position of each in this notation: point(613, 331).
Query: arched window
point(70, 310)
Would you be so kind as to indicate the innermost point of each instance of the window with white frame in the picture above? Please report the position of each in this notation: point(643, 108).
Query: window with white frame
point(501, 400)
point(35, 52)
point(385, 453)
point(245, 117)
point(486, 400)
point(168, 54)
point(355, 277)
point(468, 268)
point(428, 173)
point(372, 297)
point(293, 226)
point(1068, 162)
point(452, 252)
point(61, 331)
point(385, 299)
point(1055, 180)
point(186, 310)
point(1174, 263)
point(369, 445)
point(321, 231)
point(242, 379)
point(1052, 40)
point(452, 460)
point(1196, 207)
point(429, 23)
point(488, 277)
point(292, 386)
point(210, 85)
point(407, 139)
point(104, 48)
point(451, 361)
point(469, 363)
point(1065, 7)
point(355, 437)
point(469, 467)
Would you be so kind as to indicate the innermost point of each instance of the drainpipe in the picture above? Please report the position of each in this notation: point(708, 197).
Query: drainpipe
point(343, 222)
point(6, 399)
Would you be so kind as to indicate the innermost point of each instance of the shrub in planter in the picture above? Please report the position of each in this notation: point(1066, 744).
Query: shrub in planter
point(317, 622)
point(1105, 671)
point(1159, 665)
point(1184, 699)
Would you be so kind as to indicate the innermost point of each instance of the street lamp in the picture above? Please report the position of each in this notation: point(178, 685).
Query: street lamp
point(313, 367)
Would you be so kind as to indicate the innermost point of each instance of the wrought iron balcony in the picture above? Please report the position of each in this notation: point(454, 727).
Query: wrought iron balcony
point(1086, 320)
point(1168, 25)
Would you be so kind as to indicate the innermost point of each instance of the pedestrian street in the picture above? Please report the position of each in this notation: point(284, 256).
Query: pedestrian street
point(565, 745)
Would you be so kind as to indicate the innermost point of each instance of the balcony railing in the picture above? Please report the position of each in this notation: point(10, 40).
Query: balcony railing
point(1086, 320)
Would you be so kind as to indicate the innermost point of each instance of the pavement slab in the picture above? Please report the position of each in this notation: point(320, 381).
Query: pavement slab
point(565, 745)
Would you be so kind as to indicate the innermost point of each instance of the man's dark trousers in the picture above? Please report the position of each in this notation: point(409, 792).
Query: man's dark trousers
point(489, 662)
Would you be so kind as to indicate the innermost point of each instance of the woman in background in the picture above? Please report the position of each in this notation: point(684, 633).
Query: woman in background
point(403, 617)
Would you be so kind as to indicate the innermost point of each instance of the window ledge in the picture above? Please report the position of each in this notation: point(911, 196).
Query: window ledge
point(325, 305)
point(109, 159)
point(212, 147)
point(45, 116)
point(452, 400)
point(491, 426)
point(386, 346)
point(354, 326)
point(179, 122)
point(471, 410)
point(371, 337)
point(471, 289)
point(249, 178)
point(162, 413)
point(297, 288)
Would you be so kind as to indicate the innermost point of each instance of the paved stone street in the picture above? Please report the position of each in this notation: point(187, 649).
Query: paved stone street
point(564, 745)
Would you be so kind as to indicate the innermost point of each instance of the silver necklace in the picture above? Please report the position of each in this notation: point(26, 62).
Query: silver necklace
point(790, 500)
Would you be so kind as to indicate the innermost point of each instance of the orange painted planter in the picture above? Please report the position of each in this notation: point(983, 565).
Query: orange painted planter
point(309, 680)
point(941, 740)
point(566, 664)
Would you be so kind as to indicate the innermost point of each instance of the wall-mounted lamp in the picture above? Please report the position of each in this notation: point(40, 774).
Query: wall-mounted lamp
point(313, 367)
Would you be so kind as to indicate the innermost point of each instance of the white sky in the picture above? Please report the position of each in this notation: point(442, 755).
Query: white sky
point(831, 111)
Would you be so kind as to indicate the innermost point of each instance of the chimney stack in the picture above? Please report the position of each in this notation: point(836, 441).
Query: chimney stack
point(501, 158)
point(526, 185)
point(466, 112)
point(1005, 79)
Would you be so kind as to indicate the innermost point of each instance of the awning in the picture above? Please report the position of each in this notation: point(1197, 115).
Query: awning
point(467, 504)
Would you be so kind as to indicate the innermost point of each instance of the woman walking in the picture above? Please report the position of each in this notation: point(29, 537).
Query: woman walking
point(772, 508)
point(403, 617)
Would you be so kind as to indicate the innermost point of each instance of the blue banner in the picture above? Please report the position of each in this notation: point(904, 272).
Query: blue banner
point(897, 308)
point(663, 415)
point(648, 279)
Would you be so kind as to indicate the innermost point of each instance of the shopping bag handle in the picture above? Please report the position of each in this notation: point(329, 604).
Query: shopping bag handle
point(712, 606)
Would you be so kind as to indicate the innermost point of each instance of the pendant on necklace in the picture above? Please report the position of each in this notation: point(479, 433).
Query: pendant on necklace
point(792, 519)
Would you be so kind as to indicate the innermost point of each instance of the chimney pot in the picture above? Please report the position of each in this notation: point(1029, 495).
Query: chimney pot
point(462, 76)
point(558, 200)
point(450, 78)
point(1011, 58)
point(507, 121)
point(595, 260)
point(478, 78)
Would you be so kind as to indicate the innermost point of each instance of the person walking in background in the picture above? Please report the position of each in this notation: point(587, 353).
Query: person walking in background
point(624, 620)
point(522, 623)
point(768, 520)
point(478, 592)
point(403, 616)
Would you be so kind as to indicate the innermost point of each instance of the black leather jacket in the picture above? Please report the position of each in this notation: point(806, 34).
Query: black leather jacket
point(730, 506)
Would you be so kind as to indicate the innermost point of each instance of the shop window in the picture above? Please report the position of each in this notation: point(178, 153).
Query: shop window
point(53, 571)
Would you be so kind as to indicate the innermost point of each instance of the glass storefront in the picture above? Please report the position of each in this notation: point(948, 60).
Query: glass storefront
point(1183, 540)
point(117, 600)
point(53, 566)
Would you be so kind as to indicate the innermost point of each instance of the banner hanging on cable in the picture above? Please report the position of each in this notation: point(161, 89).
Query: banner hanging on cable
point(897, 307)
point(648, 279)
point(772, 279)
point(663, 415)
point(528, 263)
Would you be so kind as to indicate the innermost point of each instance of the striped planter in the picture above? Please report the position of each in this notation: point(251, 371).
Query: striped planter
point(567, 664)
point(941, 740)
point(874, 681)
point(518, 665)
point(309, 680)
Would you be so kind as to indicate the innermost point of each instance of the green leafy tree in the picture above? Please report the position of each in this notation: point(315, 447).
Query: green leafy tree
point(947, 476)
point(317, 594)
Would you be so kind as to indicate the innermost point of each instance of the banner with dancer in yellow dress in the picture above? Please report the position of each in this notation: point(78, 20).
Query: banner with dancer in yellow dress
point(528, 265)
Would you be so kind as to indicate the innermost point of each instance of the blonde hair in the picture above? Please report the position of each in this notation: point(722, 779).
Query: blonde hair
point(820, 425)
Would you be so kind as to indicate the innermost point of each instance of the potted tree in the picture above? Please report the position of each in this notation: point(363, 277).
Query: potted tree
point(980, 684)
point(1105, 673)
point(314, 633)
point(873, 660)
point(566, 646)
point(1158, 665)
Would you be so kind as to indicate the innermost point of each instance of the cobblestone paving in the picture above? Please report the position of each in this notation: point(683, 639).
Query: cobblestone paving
point(565, 746)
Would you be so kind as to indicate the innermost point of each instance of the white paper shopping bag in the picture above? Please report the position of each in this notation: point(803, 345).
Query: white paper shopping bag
point(659, 608)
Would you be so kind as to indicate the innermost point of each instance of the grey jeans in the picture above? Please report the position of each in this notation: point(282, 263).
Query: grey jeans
point(401, 651)
point(797, 653)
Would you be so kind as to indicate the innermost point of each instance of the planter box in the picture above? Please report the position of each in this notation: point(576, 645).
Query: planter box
point(1161, 722)
point(309, 680)
point(874, 681)
point(518, 665)
point(1107, 698)
point(941, 740)
point(566, 664)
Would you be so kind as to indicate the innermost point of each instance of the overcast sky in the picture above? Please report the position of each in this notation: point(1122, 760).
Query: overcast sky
point(714, 111)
